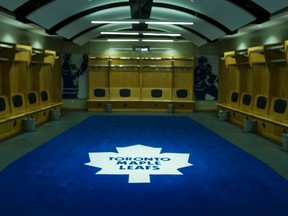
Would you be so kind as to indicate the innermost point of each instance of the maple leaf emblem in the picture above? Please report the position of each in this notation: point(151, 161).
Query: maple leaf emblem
point(139, 162)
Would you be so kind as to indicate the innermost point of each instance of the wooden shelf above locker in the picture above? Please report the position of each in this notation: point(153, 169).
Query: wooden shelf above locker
point(286, 50)
point(49, 57)
point(23, 53)
point(229, 58)
point(123, 62)
point(99, 61)
point(41, 56)
point(149, 61)
point(275, 53)
point(241, 57)
point(256, 55)
point(15, 52)
point(7, 51)
point(183, 62)
point(37, 56)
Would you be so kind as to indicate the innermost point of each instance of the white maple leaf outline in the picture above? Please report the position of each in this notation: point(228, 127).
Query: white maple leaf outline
point(108, 166)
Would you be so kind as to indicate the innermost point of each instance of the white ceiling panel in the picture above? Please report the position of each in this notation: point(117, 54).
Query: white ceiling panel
point(213, 19)
point(85, 22)
point(222, 11)
point(198, 41)
point(206, 29)
point(95, 33)
point(12, 4)
point(184, 33)
point(62, 9)
point(272, 6)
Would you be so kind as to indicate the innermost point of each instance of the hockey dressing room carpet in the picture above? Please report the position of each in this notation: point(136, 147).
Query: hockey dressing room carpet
point(140, 165)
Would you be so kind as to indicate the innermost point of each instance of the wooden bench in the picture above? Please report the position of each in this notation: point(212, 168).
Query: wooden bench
point(272, 119)
point(18, 108)
point(145, 99)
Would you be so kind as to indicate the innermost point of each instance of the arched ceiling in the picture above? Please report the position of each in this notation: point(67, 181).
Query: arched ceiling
point(212, 19)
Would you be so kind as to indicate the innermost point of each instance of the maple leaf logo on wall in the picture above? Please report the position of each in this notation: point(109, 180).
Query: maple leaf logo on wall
point(139, 162)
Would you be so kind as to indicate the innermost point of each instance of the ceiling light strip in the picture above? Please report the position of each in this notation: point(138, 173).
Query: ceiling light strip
point(136, 40)
point(138, 22)
point(115, 22)
point(151, 40)
point(162, 34)
point(120, 33)
point(169, 23)
point(119, 40)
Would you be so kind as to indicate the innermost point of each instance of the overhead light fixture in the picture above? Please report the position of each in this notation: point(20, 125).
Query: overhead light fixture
point(6, 46)
point(120, 33)
point(169, 23)
point(115, 22)
point(141, 48)
point(162, 34)
point(126, 40)
point(151, 40)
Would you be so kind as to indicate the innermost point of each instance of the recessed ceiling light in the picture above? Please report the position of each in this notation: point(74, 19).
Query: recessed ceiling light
point(150, 40)
point(120, 33)
point(117, 40)
point(162, 34)
point(115, 22)
point(169, 23)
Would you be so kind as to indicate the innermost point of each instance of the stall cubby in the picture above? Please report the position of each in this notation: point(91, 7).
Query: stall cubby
point(24, 82)
point(140, 82)
point(260, 76)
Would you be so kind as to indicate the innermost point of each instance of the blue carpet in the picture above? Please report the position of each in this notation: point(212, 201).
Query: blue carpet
point(59, 179)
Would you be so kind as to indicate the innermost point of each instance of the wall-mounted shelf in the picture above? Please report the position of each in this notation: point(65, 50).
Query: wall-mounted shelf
point(140, 82)
point(258, 92)
point(275, 53)
point(229, 58)
point(183, 66)
point(7, 51)
point(256, 55)
point(23, 53)
point(156, 66)
point(37, 56)
point(124, 66)
point(241, 57)
point(99, 65)
point(24, 86)
point(49, 57)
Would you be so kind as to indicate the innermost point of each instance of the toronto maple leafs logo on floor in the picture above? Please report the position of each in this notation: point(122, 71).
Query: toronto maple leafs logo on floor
point(139, 162)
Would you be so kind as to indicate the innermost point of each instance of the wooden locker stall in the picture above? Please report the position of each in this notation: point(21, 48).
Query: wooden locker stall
point(266, 82)
point(183, 83)
point(125, 82)
point(223, 82)
point(56, 87)
point(7, 55)
point(33, 92)
point(21, 85)
point(14, 68)
point(246, 80)
point(156, 82)
point(270, 77)
point(140, 82)
point(261, 79)
point(233, 88)
point(45, 77)
point(239, 86)
point(98, 82)
point(16, 90)
point(18, 79)
point(275, 55)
